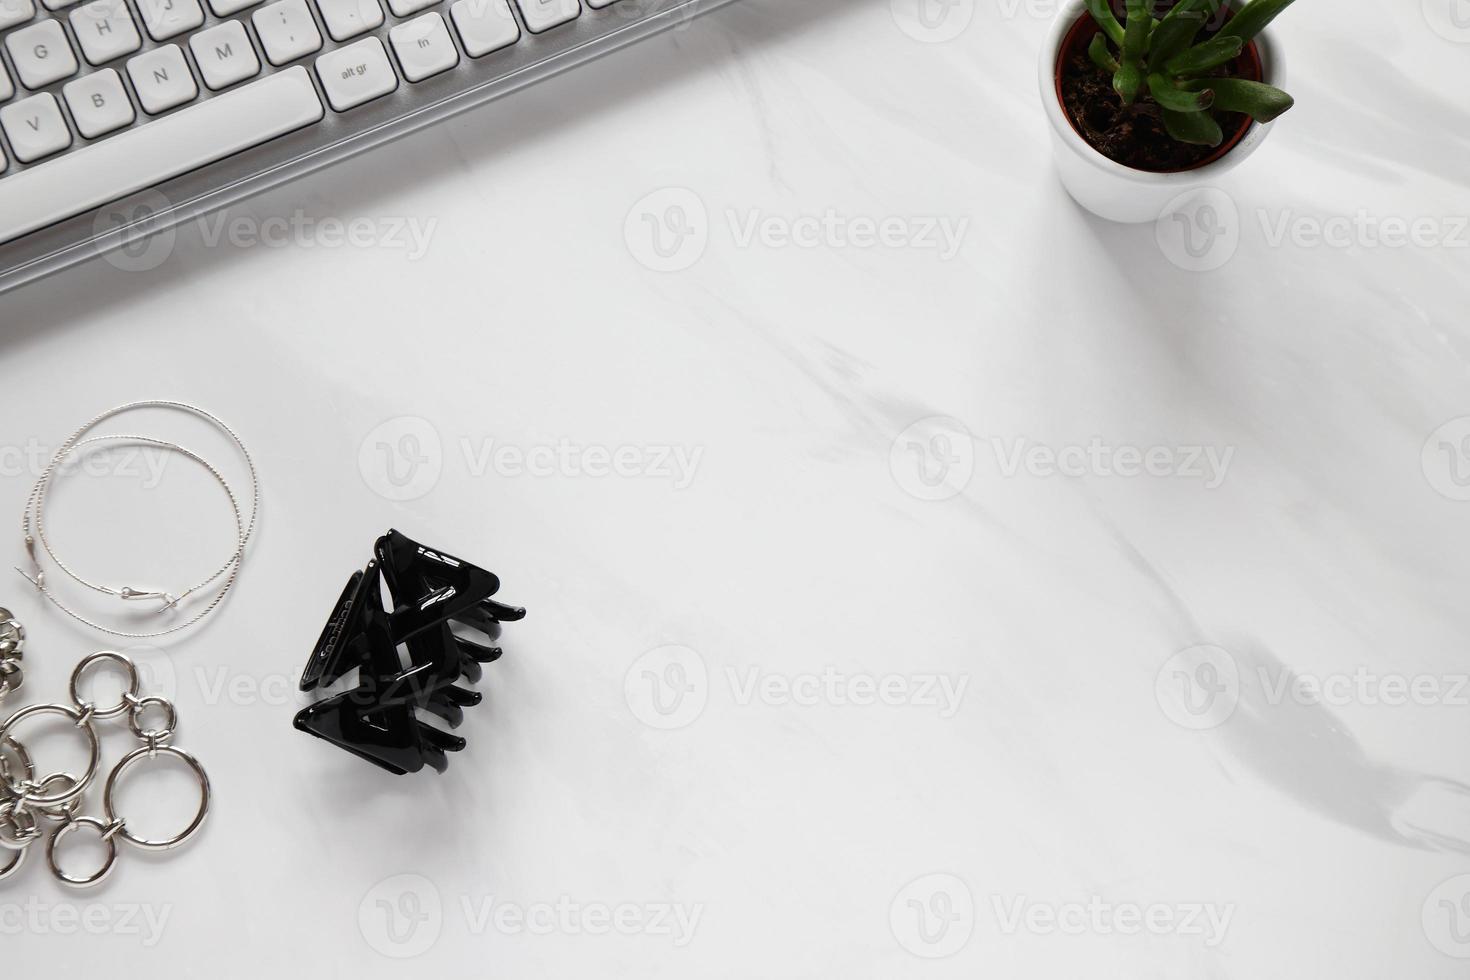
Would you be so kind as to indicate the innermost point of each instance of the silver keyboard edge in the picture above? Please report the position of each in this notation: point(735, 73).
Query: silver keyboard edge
point(340, 136)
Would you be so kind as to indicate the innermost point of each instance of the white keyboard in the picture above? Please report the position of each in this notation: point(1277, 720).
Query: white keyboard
point(207, 100)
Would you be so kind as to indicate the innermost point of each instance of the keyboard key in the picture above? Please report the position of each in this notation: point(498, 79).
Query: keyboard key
point(57, 4)
point(484, 26)
point(105, 30)
point(6, 90)
point(224, 8)
point(14, 12)
point(349, 18)
point(41, 54)
point(402, 8)
point(356, 74)
point(35, 127)
point(162, 79)
point(599, 4)
point(99, 103)
point(146, 155)
point(170, 18)
point(287, 31)
point(224, 55)
point(424, 47)
point(543, 15)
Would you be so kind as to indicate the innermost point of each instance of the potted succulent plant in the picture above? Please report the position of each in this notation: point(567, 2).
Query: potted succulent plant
point(1149, 99)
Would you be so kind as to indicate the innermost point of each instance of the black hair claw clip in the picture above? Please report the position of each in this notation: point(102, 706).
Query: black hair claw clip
point(377, 719)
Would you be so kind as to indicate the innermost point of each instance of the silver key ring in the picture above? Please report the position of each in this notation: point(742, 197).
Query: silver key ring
point(82, 720)
point(104, 830)
point(148, 752)
point(130, 696)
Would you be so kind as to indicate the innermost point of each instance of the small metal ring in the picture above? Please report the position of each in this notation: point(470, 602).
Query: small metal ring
point(153, 735)
point(12, 639)
point(98, 657)
point(149, 752)
point(64, 812)
point(17, 858)
point(67, 828)
point(77, 718)
point(21, 755)
point(12, 677)
point(25, 829)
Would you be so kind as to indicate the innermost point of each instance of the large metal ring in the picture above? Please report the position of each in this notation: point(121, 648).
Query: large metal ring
point(104, 830)
point(130, 696)
point(81, 722)
point(146, 752)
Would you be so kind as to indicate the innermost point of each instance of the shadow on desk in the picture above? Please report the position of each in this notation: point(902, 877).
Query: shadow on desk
point(621, 78)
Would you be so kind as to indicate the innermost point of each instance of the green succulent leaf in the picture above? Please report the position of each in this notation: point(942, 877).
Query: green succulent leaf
point(1171, 96)
point(1258, 100)
point(1199, 128)
point(1206, 56)
point(1102, 55)
point(1180, 26)
point(1253, 18)
point(1102, 12)
point(1130, 75)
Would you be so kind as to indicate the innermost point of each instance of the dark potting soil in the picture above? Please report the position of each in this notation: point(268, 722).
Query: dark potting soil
point(1134, 135)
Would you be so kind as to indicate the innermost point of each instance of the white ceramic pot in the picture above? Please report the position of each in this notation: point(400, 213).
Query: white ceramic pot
point(1111, 190)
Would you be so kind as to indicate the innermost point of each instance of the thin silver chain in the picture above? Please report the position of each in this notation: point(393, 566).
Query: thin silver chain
point(35, 510)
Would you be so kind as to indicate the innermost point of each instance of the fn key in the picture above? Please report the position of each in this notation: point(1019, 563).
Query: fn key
point(356, 74)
